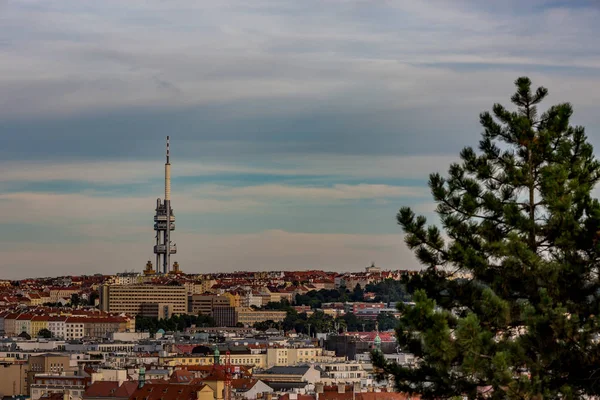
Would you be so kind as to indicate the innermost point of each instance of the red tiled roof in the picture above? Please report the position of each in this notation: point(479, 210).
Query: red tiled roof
point(243, 384)
point(299, 397)
point(52, 396)
point(181, 376)
point(101, 389)
point(166, 391)
point(349, 395)
point(126, 389)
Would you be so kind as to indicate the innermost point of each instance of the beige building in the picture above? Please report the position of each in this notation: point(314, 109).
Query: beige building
point(289, 356)
point(102, 327)
point(231, 316)
point(35, 299)
point(130, 299)
point(38, 322)
point(206, 285)
point(249, 317)
point(157, 310)
point(47, 363)
point(235, 300)
point(205, 303)
point(343, 372)
point(256, 360)
point(14, 379)
point(57, 293)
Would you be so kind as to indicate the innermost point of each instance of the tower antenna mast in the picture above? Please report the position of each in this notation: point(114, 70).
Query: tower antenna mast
point(164, 222)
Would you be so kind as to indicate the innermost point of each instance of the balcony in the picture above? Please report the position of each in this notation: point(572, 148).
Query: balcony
point(163, 217)
point(162, 249)
point(162, 226)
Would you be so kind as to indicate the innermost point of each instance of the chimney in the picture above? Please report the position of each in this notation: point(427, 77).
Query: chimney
point(142, 377)
point(355, 389)
point(293, 396)
point(342, 388)
point(319, 387)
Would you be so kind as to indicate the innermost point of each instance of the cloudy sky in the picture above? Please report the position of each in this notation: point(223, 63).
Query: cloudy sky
point(298, 128)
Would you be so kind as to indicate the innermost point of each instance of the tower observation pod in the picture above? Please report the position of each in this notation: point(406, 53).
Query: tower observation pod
point(164, 223)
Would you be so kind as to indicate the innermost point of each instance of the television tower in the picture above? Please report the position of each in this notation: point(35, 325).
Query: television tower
point(164, 223)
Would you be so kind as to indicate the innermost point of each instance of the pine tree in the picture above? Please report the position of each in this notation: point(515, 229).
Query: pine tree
point(508, 303)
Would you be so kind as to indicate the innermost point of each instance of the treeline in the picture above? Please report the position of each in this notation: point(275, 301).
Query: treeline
point(391, 290)
point(322, 323)
point(175, 323)
point(387, 291)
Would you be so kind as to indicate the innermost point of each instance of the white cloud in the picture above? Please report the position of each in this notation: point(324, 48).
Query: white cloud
point(270, 250)
point(61, 209)
point(120, 172)
point(308, 194)
point(100, 56)
point(357, 57)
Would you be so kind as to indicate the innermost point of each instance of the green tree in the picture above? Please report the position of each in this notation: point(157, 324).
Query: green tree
point(390, 290)
point(290, 320)
point(353, 323)
point(75, 300)
point(175, 323)
point(386, 321)
point(340, 324)
point(358, 294)
point(511, 293)
point(264, 325)
point(284, 305)
point(321, 322)
point(93, 296)
point(44, 333)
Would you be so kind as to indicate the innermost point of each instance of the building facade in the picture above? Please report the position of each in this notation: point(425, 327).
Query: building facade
point(205, 303)
point(129, 299)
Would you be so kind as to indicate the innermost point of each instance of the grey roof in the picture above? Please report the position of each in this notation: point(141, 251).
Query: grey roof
point(157, 372)
point(49, 355)
point(238, 349)
point(300, 370)
point(286, 385)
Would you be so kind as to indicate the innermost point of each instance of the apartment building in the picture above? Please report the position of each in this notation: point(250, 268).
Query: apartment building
point(13, 381)
point(127, 278)
point(38, 322)
point(231, 316)
point(10, 321)
point(74, 328)
point(357, 307)
point(58, 293)
point(44, 385)
point(205, 303)
point(248, 316)
point(256, 360)
point(282, 356)
point(347, 372)
point(224, 316)
point(57, 326)
point(48, 363)
point(102, 327)
point(129, 299)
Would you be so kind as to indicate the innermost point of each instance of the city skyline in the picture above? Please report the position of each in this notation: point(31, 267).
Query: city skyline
point(298, 128)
